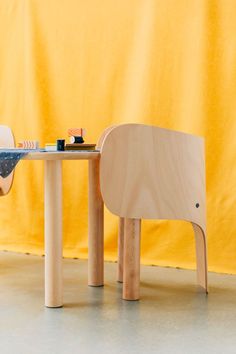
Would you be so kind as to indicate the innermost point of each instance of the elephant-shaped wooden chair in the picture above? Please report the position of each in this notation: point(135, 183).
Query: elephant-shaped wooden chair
point(147, 172)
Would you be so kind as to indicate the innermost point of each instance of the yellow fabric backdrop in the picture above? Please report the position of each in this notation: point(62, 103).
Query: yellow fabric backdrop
point(95, 63)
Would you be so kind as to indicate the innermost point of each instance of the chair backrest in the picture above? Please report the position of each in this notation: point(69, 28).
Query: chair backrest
point(153, 173)
point(103, 136)
point(6, 140)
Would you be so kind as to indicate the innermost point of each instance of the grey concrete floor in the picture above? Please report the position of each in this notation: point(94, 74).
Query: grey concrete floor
point(171, 317)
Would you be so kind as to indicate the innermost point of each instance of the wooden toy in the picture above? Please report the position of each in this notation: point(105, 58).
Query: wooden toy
point(28, 144)
point(76, 132)
point(76, 135)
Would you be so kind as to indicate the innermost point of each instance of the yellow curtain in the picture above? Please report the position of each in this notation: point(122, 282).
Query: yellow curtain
point(94, 63)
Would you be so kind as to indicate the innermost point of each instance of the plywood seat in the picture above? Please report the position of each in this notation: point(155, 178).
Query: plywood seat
point(6, 141)
point(147, 172)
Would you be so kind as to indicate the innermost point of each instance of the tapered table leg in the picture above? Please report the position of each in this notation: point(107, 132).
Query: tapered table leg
point(53, 233)
point(95, 237)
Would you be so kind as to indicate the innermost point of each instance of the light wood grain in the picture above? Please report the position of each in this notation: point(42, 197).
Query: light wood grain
point(153, 173)
point(6, 141)
point(53, 234)
point(201, 256)
point(131, 277)
point(95, 237)
point(53, 215)
point(120, 250)
point(62, 155)
point(103, 136)
point(148, 172)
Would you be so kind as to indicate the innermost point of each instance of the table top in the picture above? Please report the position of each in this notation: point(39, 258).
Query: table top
point(62, 155)
point(55, 155)
point(11, 156)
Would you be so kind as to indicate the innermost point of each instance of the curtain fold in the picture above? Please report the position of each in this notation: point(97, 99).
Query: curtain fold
point(91, 64)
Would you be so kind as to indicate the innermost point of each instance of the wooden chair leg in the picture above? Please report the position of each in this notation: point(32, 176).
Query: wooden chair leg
point(131, 277)
point(120, 250)
point(201, 256)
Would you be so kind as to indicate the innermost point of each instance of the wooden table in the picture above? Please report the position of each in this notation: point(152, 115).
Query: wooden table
point(53, 221)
